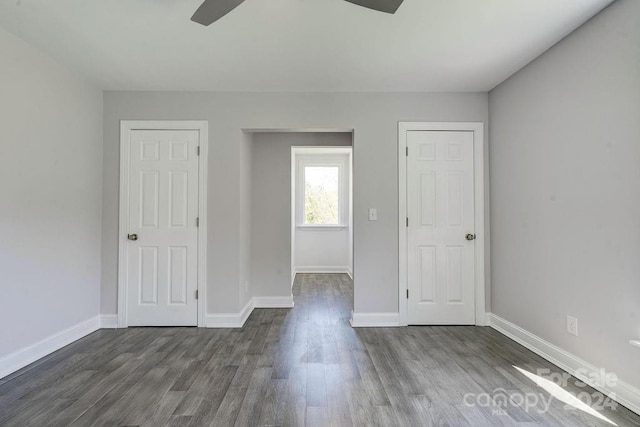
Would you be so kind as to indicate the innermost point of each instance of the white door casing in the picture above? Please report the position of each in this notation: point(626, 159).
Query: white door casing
point(441, 197)
point(161, 262)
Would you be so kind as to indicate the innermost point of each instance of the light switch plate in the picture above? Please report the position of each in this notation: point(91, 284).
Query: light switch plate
point(373, 214)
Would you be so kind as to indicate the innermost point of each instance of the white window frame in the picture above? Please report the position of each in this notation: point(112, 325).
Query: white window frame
point(322, 156)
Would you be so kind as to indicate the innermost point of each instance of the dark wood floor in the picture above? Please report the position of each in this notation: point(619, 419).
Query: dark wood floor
point(304, 366)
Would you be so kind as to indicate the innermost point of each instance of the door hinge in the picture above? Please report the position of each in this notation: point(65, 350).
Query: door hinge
point(407, 150)
point(198, 222)
point(407, 293)
point(407, 221)
point(196, 294)
point(198, 150)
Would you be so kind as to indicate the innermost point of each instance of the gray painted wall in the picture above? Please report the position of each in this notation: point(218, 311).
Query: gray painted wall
point(245, 231)
point(374, 116)
point(271, 206)
point(50, 196)
point(565, 195)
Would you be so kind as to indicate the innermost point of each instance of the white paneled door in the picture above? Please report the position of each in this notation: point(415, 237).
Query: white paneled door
point(440, 232)
point(162, 237)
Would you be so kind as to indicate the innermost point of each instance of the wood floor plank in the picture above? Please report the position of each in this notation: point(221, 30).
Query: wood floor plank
point(296, 397)
point(94, 394)
point(162, 412)
point(291, 367)
point(249, 414)
point(317, 417)
point(274, 405)
point(213, 395)
point(316, 385)
point(227, 413)
point(338, 405)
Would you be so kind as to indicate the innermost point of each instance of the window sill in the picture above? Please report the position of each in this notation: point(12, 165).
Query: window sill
point(321, 227)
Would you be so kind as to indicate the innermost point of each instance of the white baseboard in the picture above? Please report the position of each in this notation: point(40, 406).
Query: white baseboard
point(21, 358)
point(237, 320)
point(622, 392)
point(350, 272)
point(108, 321)
point(375, 320)
point(230, 320)
point(319, 269)
point(273, 302)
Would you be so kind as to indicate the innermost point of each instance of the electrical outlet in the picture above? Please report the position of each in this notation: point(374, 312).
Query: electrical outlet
point(572, 325)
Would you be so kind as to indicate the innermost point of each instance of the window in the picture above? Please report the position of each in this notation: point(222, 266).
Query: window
point(322, 195)
point(321, 187)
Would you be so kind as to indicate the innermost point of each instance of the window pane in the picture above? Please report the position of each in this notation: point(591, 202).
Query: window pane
point(321, 195)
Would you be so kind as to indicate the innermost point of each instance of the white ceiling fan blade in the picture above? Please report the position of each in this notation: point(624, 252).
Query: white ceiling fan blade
point(387, 6)
point(212, 10)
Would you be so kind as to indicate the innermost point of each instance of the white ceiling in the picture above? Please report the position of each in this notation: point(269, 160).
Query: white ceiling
point(296, 45)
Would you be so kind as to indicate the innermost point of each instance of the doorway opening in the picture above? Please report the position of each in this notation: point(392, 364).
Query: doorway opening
point(268, 216)
point(321, 210)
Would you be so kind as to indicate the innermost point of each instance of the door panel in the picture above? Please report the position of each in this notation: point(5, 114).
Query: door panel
point(427, 274)
point(440, 206)
point(163, 207)
point(178, 275)
point(148, 277)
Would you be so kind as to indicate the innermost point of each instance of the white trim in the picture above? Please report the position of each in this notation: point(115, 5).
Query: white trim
point(478, 167)
point(203, 174)
point(126, 126)
point(293, 218)
point(317, 269)
point(329, 156)
point(108, 321)
point(350, 272)
point(230, 320)
point(237, 320)
point(313, 227)
point(622, 392)
point(635, 343)
point(27, 355)
point(323, 150)
point(297, 130)
point(374, 320)
point(273, 302)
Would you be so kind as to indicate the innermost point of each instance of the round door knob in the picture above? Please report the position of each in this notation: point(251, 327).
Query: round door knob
point(470, 237)
point(132, 236)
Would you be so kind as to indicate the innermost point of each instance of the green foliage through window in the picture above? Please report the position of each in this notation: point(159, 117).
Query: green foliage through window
point(321, 193)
